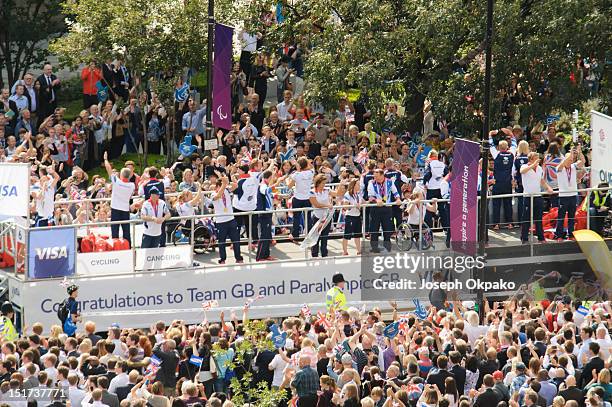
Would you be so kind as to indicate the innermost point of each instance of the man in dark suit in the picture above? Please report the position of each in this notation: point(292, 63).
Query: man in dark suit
point(31, 380)
point(123, 81)
point(571, 392)
point(457, 370)
point(110, 399)
point(124, 391)
point(49, 85)
point(438, 376)
point(108, 77)
point(488, 397)
point(594, 364)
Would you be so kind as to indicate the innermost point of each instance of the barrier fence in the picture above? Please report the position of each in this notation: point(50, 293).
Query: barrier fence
point(17, 239)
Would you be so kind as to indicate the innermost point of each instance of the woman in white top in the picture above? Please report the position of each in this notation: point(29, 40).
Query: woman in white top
point(185, 206)
point(416, 210)
point(352, 220)
point(321, 199)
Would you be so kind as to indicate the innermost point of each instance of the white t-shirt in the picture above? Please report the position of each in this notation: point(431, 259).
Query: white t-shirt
point(283, 110)
point(323, 198)
point(566, 179)
point(303, 184)
point(45, 204)
point(152, 228)
point(248, 200)
point(122, 192)
point(532, 180)
point(279, 365)
point(413, 217)
point(223, 207)
point(352, 200)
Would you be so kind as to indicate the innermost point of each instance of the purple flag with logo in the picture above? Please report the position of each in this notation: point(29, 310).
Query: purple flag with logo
point(222, 66)
point(464, 196)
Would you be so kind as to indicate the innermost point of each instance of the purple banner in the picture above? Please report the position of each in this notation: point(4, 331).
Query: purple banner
point(222, 67)
point(464, 196)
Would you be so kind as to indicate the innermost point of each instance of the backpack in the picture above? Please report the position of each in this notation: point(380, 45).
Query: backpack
point(62, 311)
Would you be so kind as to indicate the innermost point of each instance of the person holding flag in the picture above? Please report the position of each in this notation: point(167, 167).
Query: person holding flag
point(335, 299)
point(383, 192)
point(68, 311)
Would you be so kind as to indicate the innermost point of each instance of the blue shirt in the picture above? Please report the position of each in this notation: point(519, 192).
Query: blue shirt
point(194, 120)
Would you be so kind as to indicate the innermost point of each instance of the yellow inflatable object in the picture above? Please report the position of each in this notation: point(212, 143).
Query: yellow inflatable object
point(598, 255)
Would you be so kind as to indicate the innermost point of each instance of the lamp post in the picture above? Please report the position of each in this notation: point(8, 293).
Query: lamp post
point(482, 222)
point(211, 32)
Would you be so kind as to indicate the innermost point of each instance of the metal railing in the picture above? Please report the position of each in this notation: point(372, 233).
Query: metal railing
point(252, 214)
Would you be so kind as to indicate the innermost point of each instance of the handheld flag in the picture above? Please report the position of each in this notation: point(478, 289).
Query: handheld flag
point(208, 305)
point(102, 92)
point(323, 320)
point(391, 330)
point(196, 361)
point(182, 92)
point(306, 311)
point(288, 155)
point(419, 311)
point(186, 148)
point(278, 338)
point(362, 157)
point(250, 301)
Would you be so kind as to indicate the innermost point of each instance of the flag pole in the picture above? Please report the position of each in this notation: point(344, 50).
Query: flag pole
point(211, 30)
point(482, 222)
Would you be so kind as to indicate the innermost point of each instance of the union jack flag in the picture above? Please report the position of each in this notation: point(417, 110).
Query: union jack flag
point(362, 157)
point(323, 320)
point(250, 301)
point(208, 305)
point(306, 311)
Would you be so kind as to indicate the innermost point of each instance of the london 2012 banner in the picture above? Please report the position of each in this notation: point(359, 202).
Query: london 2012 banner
point(14, 189)
point(222, 65)
point(601, 148)
point(464, 196)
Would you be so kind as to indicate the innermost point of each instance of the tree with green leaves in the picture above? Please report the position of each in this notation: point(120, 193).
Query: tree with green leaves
point(412, 50)
point(25, 29)
point(153, 36)
point(243, 390)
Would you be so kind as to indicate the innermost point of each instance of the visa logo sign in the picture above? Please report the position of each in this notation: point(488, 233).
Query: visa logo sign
point(51, 253)
point(8, 190)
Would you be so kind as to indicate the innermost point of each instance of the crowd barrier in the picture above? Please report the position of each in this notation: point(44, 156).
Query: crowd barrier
point(45, 252)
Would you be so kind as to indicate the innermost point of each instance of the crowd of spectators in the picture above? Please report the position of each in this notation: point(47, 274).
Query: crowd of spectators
point(522, 353)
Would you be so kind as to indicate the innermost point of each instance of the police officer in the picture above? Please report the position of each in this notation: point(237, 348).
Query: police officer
point(335, 300)
point(381, 191)
point(7, 329)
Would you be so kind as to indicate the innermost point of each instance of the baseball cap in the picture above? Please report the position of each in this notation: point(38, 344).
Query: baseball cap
point(498, 375)
point(520, 366)
point(154, 190)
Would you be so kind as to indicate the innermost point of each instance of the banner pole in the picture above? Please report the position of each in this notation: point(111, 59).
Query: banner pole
point(482, 225)
point(209, 85)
